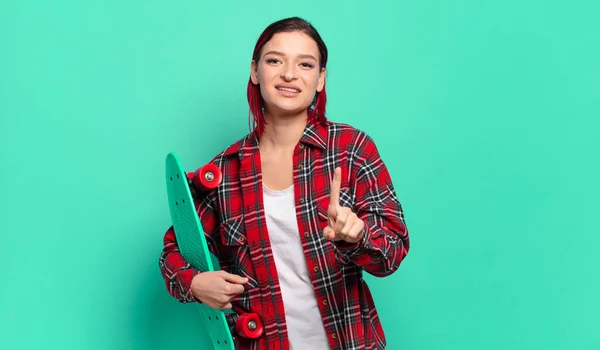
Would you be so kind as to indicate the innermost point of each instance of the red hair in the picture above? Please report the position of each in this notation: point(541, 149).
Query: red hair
point(316, 111)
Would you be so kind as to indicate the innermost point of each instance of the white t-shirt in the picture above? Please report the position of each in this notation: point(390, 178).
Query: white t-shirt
point(303, 319)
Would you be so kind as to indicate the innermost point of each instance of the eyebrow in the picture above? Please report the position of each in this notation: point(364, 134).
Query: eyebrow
point(282, 54)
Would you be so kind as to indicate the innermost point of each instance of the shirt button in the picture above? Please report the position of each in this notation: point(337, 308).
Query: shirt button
point(324, 302)
point(300, 166)
point(334, 336)
point(306, 234)
point(301, 200)
point(317, 269)
point(301, 145)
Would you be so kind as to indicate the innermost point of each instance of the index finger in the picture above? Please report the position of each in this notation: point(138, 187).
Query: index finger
point(231, 278)
point(334, 196)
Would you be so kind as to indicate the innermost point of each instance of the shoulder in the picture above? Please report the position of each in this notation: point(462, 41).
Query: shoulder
point(230, 151)
point(348, 137)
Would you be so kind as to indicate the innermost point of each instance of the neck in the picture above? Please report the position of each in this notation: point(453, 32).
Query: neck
point(283, 132)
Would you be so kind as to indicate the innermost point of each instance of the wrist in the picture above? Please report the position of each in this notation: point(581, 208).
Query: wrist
point(194, 281)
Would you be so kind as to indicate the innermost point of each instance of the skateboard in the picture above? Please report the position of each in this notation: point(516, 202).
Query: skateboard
point(194, 248)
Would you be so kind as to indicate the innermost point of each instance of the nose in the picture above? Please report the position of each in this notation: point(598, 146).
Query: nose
point(288, 72)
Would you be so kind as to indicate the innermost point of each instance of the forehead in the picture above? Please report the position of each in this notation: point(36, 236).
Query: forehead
point(292, 43)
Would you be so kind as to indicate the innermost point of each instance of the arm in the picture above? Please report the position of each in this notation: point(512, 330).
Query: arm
point(384, 238)
point(177, 272)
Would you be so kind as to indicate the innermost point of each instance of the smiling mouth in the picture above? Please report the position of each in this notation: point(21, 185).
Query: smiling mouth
point(288, 89)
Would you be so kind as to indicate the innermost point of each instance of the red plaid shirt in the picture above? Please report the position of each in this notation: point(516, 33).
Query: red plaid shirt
point(234, 223)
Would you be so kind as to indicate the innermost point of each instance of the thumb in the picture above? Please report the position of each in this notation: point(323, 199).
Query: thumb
point(328, 233)
point(231, 278)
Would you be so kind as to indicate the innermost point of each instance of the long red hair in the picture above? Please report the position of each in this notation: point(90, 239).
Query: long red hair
point(316, 111)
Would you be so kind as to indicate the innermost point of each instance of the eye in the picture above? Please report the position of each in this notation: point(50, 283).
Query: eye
point(307, 65)
point(272, 60)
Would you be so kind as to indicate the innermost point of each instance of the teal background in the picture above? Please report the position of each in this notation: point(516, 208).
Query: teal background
point(485, 112)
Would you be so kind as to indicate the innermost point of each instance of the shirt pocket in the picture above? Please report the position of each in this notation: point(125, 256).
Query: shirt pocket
point(233, 232)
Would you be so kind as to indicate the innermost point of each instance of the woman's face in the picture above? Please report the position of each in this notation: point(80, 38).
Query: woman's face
point(288, 73)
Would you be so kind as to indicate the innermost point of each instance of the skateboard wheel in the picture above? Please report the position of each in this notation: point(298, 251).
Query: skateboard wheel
point(205, 178)
point(249, 326)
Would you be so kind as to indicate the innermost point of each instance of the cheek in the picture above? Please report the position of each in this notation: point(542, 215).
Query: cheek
point(266, 74)
point(264, 77)
point(261, 77)
point(312, 80)
point(313, 83)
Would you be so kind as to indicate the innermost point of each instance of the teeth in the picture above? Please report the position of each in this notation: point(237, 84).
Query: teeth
point(287, 89)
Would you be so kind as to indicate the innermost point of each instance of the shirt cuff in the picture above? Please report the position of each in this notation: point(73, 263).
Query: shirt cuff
point(186, 278)
point(350, 250)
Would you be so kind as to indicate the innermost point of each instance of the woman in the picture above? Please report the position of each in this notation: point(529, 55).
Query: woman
point(304, 208)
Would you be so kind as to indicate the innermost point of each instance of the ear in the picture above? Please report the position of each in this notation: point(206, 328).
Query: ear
point(254, 72)
point(321, 82)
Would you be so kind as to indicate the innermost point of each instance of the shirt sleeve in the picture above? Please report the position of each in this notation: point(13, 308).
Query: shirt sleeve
point(385, 240)
point(175, 270)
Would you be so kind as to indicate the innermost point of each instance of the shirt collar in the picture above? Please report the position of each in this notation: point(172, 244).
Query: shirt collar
point(315, 134)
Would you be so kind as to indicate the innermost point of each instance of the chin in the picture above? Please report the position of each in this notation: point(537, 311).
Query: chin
point(287, 108)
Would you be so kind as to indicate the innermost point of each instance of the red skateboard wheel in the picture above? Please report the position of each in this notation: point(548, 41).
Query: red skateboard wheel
point(249, 326)
point(205, 178)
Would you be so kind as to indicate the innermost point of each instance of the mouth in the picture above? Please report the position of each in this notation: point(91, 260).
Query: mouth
point(288, 88)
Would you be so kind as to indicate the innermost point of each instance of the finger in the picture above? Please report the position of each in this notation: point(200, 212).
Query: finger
point(334, 196)
point(328, 233)
point(350, 221)
point(233, 289)
point(226, 306)
point(332, 212)
point(341, 220)
point(356, 230)
point(231, 278)
point(331, 222)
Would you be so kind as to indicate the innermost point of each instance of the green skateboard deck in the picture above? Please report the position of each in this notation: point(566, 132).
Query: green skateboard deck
point(193, 245)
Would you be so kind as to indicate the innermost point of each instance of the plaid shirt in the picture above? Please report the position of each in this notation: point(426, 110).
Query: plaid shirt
point(234, 223)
